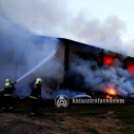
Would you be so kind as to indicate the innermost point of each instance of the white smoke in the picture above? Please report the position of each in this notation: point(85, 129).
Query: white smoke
point(54, 18)
point(20, 51)
point(101, 78)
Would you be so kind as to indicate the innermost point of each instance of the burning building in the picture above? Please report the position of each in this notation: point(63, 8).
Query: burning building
point(98, 72)
point(75, 68)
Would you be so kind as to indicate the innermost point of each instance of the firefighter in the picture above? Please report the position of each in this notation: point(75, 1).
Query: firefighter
point(35, 96)
point(8, 95)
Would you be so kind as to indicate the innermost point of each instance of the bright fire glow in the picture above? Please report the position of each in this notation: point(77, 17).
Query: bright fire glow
point(108, 60)
point(111, 91)
point(131, 69)
point(109, 97)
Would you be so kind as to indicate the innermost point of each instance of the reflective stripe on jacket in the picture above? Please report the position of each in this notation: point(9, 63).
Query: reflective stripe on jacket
point(8, 90)
point(32, 97)
point(8, 94)
point(36, 91)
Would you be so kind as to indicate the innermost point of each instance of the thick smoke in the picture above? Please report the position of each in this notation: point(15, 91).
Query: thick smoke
point(102, 78)
point(54, 18)
point(102, 34)
point(20, 51)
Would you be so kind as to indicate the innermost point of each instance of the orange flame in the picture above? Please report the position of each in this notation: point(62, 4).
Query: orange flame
point(111, 91)
point(109, 97)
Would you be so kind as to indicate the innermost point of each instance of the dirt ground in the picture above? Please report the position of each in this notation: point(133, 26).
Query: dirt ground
point(53, 121)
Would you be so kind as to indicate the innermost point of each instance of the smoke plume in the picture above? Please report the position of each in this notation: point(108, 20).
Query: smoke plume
point(101, 78)
point(52, 18)
point(21, 51)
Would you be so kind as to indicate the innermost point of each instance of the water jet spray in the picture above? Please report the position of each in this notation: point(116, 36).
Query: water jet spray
point(36, 67)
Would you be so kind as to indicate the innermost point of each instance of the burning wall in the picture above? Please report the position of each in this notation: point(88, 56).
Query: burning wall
point(87, 74)
point(90, 68)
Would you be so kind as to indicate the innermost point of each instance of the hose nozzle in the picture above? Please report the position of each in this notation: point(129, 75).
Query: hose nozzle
point(15, 82)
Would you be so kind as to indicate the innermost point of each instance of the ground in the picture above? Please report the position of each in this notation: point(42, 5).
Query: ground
point(75, 119)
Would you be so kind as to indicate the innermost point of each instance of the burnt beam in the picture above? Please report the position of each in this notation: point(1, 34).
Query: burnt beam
point(66, 56)
point(101, 58)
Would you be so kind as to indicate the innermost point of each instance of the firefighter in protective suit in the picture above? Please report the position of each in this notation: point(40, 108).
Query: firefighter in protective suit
point(35, 96)
point(8, 95)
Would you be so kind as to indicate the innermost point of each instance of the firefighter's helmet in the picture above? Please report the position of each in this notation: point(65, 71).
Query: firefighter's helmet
point(39, 80)
point(8, 81)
